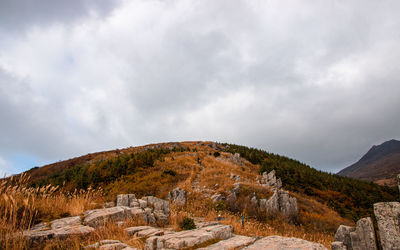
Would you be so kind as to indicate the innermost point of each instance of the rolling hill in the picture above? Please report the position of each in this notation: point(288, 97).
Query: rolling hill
point(380, 164)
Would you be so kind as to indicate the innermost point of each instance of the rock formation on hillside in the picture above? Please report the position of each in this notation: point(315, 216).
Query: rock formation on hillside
point(270, 180)
point(178, 196)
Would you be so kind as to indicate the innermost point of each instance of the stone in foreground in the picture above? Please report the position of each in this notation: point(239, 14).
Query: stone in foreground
point(388, 217)
point(189, 238)
point(338, 245)
point(237, 241)
point(110, 245)
point(284, 243)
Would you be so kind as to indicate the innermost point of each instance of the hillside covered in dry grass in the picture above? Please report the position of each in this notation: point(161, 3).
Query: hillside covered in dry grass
point(202, 169)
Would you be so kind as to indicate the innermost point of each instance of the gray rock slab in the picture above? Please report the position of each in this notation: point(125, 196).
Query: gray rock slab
point(284, 243)
point(110, 245)
point(99, 217)
point(133, 230)
point(388, 217)
point(366, 234)
point(68, 221)
point(237, 241)
point(189, 238)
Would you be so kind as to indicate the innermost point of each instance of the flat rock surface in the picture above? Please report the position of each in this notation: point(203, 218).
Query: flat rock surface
point(284, 243)
point(98, 217)
point(110, 245)
point(189, 238)
point(236, 241)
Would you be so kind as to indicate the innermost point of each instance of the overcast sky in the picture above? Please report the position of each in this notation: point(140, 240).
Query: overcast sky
point(318, 81)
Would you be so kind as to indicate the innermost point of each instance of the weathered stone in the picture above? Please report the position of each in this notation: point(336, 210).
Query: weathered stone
point(133, 230)
point(237, 241)
point(284, 243)
point(287, 204)
point(39, 227)
point(161, 217)
point(123, 200)
point(150, 232)
point(366, 235)
point(343, 235)
point(189, 238)
point(388, 217)
point(69, 221)
point(60, 233)
point(236, 158)
point(270, 180)
point(217, 197)
point(338, 245)
point(99, 217)
point(64, 232)
point(134, 203)
point(142, 203)
point(110, 245)
point(139, 214)
point(355, 241)
point(178, 196)
point(158, 204)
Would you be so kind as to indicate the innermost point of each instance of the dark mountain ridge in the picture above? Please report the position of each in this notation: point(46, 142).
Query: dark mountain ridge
point(380, 164)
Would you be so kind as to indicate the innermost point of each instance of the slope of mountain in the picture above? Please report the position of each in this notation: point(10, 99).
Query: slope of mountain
point(158, 168)
point(380, 164)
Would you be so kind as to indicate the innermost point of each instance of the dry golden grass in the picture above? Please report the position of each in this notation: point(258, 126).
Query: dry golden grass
point(21, 207)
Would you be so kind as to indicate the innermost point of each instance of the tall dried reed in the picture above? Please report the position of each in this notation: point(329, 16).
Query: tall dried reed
point(22, 206)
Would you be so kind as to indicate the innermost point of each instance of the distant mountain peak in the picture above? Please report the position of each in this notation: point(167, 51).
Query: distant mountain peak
point(380, 164)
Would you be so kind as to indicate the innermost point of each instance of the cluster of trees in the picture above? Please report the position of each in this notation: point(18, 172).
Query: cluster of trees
point(106, 171)
point(351, 198)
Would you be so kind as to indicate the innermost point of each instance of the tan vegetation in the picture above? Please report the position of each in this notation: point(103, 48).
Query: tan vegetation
point(21, 207)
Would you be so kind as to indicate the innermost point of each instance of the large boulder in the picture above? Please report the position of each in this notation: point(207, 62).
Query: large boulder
point(178, 196)
point(68, 221)
point(158, 204)
point(343, 235)
point(99, 217)
point(190, 238)
point(388, 217)
point(284, 243)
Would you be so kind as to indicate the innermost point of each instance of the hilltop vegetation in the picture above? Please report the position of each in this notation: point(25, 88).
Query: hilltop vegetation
point(351, 198)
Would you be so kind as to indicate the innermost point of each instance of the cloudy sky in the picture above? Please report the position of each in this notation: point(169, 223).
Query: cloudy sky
point(316, 81)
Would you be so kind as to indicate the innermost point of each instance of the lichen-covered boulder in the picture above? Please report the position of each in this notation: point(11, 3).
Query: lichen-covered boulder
point(388, 217)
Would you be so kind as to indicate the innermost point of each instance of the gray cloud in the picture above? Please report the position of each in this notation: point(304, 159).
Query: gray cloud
point(318, 83)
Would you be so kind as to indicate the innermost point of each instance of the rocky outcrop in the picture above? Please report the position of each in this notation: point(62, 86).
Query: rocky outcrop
point(236, 242)
point(110, 245)
point(149, 209)
point(60, 229)
point(236, 158)
point(281, 202)
point(178, 196)
point(270, 180)
point(189, 238)
point(217, 197)
point(99, 217)
point(281, 243)
point(388, 217)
